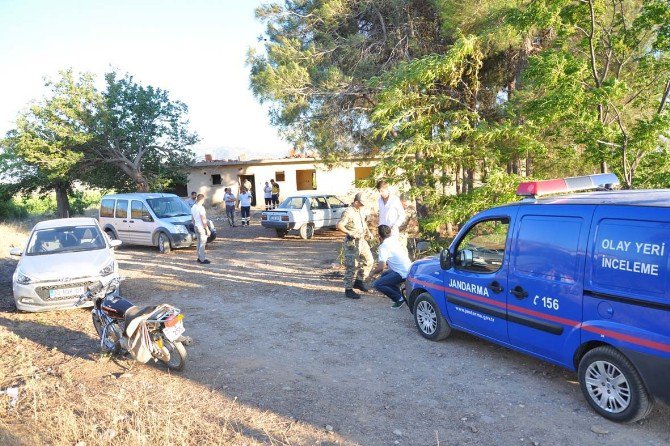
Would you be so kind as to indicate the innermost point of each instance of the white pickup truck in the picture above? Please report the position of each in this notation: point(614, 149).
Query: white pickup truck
point(304, 213)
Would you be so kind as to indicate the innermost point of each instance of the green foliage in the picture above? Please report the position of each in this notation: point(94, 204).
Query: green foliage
point(499, 189)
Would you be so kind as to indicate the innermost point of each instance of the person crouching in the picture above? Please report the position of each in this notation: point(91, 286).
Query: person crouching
point(391, 254)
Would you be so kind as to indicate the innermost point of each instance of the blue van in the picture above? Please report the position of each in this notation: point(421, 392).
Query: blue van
point(577, 280)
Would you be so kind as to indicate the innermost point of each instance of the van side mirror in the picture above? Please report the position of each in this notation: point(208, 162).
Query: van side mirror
point(465, 258)
point(445, 259)
point(147, 219)
point(115, 243)
point(16, 252)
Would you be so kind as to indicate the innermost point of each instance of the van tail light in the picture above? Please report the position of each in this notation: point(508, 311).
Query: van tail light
point(571, 184)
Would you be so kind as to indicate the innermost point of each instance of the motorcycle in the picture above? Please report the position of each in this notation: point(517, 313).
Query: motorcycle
point(153, 332)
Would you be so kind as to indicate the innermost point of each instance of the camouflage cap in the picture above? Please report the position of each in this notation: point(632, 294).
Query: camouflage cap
point(359, 197)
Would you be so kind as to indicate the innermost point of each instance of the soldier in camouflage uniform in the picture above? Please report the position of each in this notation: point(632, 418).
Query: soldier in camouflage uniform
point(358, 259)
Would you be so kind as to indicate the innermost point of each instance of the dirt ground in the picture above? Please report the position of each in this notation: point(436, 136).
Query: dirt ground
point(273, 332)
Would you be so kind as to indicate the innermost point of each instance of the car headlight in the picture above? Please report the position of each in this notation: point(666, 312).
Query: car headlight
point(107, 270)
point(180, 229)
point(22, 278)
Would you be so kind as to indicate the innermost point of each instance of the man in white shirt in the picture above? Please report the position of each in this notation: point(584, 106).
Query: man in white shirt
point(391, 211)
point(393, 256)
point(244, 200)
point(199, 217)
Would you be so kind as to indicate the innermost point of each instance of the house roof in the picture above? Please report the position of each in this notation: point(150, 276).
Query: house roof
point(257, 162)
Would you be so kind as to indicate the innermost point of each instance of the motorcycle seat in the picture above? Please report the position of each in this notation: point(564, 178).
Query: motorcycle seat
point(117, 307)
point(135, 315)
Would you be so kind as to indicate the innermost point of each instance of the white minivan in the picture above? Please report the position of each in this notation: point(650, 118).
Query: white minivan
point(149, 219)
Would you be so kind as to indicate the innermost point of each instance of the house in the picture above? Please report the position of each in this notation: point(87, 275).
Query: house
point(210, 177)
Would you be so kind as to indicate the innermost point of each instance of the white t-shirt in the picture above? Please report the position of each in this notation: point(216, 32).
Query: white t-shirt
point(394, 256)
point(197, 212)
point(391, 213)
point(268, 191)
point(245, 199)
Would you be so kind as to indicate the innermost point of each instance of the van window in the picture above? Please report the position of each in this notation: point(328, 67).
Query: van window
point(107, 208)
point(630, 255)
point(138, 210)
point(486, 240)
point(121, 209)
point(546, 246)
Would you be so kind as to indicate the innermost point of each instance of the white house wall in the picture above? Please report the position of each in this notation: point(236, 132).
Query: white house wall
point(338, 180)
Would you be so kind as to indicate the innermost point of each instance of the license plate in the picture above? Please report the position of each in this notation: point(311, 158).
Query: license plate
point(173, 333)
point(66, 292)
point(275, 217)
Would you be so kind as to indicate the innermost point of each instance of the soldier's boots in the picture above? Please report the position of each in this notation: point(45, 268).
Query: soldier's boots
point(351, 294)
point(360, 285)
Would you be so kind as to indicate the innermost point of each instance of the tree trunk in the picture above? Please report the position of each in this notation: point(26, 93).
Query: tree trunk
point(529, 166)
point(471, 180)
point(457, 179)
point(141, 183)
point(421, 208)
point(62, 201)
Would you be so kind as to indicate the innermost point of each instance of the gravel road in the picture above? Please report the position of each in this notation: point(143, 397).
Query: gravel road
point(272, 328)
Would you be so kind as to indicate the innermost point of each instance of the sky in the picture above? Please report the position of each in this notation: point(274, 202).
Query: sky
point(195, 49)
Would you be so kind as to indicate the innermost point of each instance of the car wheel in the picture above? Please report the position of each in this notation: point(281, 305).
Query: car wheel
point(110, 234)
point(612, 386)
point(429, 320)
point(163, 243)
point(307, 231)
point(281, 233)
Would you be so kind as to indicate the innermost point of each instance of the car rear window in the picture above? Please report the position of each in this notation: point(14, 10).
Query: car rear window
point(551, 254)
point(107, 208)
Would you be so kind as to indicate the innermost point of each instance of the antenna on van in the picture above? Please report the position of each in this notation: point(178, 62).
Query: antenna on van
point(534, 189)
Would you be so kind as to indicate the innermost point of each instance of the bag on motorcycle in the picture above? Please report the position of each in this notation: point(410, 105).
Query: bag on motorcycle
point(139, 343)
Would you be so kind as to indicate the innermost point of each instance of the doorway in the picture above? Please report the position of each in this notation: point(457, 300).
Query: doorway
point(305, 179)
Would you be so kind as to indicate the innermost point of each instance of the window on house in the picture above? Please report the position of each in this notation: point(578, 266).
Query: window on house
point(362, 173)
point(216, 179)
point(305, 179)
point(279, 176)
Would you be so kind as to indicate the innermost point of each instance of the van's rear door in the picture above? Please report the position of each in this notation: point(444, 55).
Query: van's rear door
point(545, 282)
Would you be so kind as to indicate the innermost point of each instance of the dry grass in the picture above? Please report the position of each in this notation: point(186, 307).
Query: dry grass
point(67, 398)
point(68, 401)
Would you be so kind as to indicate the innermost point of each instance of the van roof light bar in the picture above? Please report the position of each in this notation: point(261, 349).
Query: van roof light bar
point(573, 184)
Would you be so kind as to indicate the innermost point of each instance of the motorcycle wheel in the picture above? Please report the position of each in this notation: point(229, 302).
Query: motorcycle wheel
point(176, 353)
point(111, 342)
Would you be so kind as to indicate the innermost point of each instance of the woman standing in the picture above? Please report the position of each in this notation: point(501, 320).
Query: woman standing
point(267, 190)
point(245, 205)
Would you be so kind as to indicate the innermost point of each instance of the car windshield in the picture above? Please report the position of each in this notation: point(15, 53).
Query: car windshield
point(65, 239)
point(165, 207)
point(293, 203)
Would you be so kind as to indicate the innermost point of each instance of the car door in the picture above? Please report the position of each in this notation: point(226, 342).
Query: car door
point(475, 285)
point(141, 223)
point(337, 207)
point(545, 281)
point(121, 221)
point(319, 211)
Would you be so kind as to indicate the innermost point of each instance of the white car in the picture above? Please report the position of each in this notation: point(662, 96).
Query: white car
point(304, 213)
point(62, 257)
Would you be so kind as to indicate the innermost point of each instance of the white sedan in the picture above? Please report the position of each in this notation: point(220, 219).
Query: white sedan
point(62, 257)
point(304, 213)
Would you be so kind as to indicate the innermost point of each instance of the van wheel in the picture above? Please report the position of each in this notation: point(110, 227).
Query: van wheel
point(429, 320)
point(110, 234)
point(307, 231)
point(163, 243)
point(281, 233)
point(612, 386)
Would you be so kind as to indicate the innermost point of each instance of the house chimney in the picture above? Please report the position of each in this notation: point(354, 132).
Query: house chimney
point(208, 157)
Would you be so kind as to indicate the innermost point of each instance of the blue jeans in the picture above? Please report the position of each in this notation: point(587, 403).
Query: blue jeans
point(389, 285)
